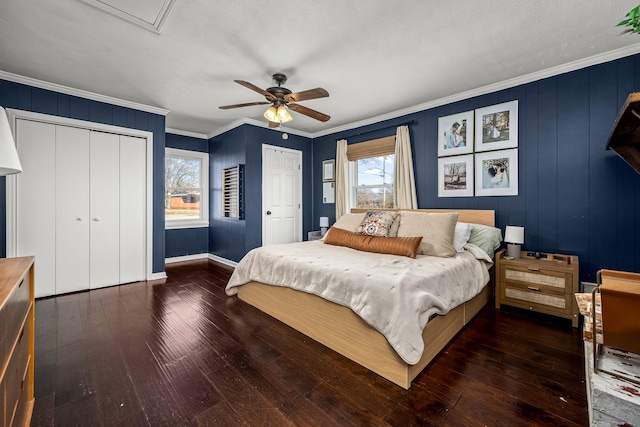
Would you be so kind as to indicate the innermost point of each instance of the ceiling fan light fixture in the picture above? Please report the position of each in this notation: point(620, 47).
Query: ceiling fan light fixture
point(271, 114)
point(283, 115)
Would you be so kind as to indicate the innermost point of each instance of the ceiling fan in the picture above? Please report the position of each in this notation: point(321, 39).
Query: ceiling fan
point(280, 98)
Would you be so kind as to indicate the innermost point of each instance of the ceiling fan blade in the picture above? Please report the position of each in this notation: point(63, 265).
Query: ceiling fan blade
point(247, 104)
point(255, 88)
point(306, 94)
point(309, 112)
point(273, 124)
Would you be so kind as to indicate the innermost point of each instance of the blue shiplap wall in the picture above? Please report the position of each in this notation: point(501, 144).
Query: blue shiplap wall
point(28, 98)
point(186, 241)
point(232, 239)
point(574, 196)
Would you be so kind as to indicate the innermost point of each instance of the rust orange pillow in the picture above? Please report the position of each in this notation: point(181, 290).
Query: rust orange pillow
point(403, 246)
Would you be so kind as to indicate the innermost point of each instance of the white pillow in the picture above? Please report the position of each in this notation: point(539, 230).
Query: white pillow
point(461, 235)
point(348, 222)
point(437, 230)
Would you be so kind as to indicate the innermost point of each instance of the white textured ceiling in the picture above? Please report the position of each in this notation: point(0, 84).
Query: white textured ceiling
point(374, 57)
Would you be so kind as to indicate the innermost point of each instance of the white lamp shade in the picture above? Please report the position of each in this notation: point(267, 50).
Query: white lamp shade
point(324, 221)
point(514, 234)
point(9, 162)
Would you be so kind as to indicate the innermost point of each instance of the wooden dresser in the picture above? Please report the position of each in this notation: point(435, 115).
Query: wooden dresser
point(16, 340)
point(538, 285)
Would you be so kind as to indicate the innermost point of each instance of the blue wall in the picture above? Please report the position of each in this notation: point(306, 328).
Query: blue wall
point(27, 98)
point(230, 238)
point(574, 196)
point(186, 241)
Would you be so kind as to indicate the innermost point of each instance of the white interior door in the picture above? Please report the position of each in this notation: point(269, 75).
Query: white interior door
point(282, 194)
point(71, 209)
point(133, 152)
point(104, 246)
point(35, 221)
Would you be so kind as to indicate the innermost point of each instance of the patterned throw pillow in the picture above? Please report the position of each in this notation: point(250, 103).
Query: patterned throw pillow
point(377, 223)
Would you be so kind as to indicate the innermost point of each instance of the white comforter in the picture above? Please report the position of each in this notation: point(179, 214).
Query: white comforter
point(396, 295)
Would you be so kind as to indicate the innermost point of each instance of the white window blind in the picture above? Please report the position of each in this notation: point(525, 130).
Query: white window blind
point(232, 178)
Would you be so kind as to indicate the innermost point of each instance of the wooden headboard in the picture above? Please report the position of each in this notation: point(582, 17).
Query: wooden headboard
point(476, 216)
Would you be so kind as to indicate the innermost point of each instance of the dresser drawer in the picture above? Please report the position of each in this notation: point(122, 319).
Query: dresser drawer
point(538, 279)
point(15, 373)
point(22, 407)
point(16, 308)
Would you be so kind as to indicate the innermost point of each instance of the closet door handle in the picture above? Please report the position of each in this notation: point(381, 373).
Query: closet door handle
point(96, 218)
point(79, 219)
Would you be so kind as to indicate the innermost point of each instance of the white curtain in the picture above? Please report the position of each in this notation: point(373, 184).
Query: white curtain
point(342, 181)
point(404, 184)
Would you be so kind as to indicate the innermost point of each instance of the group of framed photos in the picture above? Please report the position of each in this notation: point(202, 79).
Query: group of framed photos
point(478, 152)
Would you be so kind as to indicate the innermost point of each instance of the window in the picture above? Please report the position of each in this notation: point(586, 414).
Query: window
point(186, 188)
point(371, 166)
point(374, 182)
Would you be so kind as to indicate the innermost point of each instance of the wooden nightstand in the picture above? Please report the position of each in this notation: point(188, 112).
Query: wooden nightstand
point(538, 285)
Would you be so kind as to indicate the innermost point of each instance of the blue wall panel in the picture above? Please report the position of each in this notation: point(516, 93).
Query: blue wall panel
point(574, 196)
point(24, 97)
point(186, 241)
point(230, 238)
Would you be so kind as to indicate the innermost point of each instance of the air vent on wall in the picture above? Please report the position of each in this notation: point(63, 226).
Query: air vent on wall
point(148, 14)
point(233, 192)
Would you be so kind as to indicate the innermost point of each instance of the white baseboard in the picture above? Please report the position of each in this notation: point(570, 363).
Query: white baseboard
point(224, 261)
point(158, 276)
point(184, 258)
point(212, 257)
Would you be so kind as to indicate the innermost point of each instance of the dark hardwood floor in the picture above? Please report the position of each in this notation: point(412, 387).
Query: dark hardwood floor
point(185, 354)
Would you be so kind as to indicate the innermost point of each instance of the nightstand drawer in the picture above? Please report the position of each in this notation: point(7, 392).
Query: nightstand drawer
point(537, 300)
point(541, 279)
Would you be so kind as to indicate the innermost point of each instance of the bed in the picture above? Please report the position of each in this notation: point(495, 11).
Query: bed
point(341, 329)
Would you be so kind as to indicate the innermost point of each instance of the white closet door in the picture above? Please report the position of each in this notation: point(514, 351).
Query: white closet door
point(35, 219)
point(133, 175)
point(104, 247)
point(72, 209)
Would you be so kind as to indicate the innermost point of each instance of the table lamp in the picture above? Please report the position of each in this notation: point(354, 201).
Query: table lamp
point(324, 224)
point(9, 162)
point(514, 236)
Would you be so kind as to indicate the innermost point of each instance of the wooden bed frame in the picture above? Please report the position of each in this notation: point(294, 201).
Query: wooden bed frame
point(340, 329)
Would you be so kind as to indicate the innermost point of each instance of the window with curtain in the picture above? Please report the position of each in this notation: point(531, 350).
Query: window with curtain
point(371, 166)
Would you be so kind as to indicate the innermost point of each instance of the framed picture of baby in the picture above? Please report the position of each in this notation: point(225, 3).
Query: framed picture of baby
point(455, 176)
point(497, 127)
point(497, 173)
point(455, 134)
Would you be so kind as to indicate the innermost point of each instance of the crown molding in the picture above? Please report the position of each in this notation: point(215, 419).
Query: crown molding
point(80, 93)
point(494, 87)
point(187, 133)
point(257, 123)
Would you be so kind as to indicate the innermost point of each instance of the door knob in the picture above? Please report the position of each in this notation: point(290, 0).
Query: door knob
point(96, 219)
point(80, 219)
point(268, 212)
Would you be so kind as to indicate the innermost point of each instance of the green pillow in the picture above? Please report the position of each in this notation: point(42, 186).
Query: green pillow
point(486, 238)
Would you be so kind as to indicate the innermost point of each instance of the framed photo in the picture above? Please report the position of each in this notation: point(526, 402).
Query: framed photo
point(455, 176)
point(497, 173)
point(497, 127)
point(455, 134)
point(328, 170)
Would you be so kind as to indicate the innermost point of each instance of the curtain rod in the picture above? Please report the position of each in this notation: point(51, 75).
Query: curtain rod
point(379, 129)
